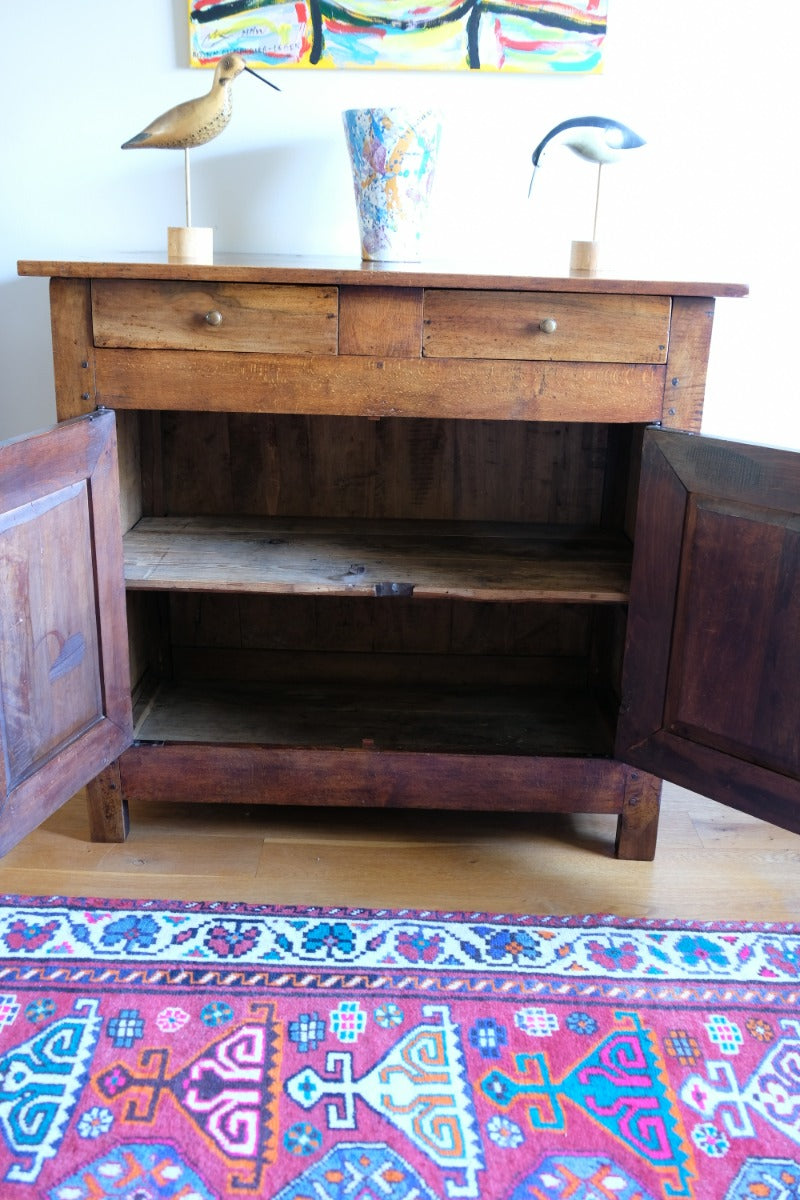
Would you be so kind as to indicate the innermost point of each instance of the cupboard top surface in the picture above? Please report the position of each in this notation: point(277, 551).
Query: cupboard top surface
point(331, 270)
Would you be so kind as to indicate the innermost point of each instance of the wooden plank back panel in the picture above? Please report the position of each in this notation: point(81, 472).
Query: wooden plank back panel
point(349, 467)
point(433, 670)
point(389, 626)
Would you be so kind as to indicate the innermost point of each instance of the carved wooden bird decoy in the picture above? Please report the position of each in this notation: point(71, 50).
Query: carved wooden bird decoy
point(596, 139)
point(196, 122)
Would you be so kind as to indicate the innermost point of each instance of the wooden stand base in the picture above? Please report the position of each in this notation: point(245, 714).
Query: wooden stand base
point(584, 257)
point(190, 244)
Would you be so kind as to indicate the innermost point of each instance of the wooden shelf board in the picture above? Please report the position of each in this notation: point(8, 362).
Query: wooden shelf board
point(480, 721)
point(428, 559)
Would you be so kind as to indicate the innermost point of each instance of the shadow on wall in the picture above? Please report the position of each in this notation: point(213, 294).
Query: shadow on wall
point(293, 199)
point(27, 401)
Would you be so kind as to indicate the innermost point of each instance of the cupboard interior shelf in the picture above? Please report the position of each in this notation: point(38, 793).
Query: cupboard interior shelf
point(453, 559)
point(517, 720)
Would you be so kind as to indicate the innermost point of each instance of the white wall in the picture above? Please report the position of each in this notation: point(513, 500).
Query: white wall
point(711, 86)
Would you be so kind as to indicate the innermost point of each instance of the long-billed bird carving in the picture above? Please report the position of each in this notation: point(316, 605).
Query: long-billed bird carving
point(197, 121)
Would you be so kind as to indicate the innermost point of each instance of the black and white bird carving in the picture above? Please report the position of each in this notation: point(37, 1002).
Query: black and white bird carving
point(598, 140)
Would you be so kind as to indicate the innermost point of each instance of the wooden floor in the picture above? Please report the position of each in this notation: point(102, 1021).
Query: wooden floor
point(711, 863)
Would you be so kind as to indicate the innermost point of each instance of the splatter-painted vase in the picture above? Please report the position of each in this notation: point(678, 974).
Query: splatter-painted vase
point(393, 153)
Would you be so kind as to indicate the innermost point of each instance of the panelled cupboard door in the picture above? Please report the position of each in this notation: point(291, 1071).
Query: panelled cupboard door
point(65, 704)
point(711, 679)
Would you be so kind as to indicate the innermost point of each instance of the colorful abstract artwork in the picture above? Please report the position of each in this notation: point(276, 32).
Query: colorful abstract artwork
point(543, 36)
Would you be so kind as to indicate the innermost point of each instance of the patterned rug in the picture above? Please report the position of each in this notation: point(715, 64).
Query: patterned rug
point(206, 1051)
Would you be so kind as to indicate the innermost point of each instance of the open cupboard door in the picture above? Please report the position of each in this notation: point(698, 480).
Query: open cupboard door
point(711, 680)
point(65, 702)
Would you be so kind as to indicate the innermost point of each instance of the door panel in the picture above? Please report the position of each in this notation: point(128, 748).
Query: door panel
point(48, 656)
point(65, 708)
point(738, 701)
point(711, 683)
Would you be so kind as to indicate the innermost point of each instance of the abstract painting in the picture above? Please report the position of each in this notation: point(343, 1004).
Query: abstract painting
point(542, 36)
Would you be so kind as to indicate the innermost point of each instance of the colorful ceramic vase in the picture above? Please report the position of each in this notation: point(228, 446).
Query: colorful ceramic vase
point(393, 154)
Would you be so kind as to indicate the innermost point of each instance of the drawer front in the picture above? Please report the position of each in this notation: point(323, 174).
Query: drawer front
point(245, 317)
point(545, 326)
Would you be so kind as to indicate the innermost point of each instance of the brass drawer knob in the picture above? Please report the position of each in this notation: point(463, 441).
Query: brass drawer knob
point(548, 325)
point(214, 317)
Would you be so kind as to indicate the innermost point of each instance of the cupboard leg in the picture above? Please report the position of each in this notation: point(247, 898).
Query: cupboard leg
point(108, 808)
point(637, 825)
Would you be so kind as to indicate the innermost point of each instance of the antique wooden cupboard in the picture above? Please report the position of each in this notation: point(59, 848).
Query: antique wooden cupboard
point(392, 536)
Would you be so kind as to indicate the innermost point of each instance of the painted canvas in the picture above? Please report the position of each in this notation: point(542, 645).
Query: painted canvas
point(542, 36)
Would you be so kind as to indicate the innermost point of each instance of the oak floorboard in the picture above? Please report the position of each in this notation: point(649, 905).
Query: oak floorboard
point(710, 864)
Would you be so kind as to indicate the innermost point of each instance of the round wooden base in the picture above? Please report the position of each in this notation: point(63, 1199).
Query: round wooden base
point(584, 257)
point(190, 244)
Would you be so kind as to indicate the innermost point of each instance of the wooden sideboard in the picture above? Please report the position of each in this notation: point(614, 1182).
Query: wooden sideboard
point(379, 526)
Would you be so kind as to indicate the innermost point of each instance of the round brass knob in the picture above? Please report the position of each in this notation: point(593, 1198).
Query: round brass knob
point(214, 317)
point(548, 325)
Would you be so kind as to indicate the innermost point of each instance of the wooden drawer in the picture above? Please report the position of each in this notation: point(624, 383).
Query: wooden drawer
point(545, 326)
point(246, 317)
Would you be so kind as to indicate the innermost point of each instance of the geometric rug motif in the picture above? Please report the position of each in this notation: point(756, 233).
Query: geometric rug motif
point(620, 1084)
point(419, 1087)
point(226, 1092)
point(197, 1051)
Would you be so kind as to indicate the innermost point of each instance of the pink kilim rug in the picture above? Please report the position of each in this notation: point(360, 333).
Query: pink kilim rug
point(202, 1051)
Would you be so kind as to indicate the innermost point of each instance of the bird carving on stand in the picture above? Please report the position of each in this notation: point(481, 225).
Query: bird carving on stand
point(197, 121)
point(596, 139)
point(194, 123)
